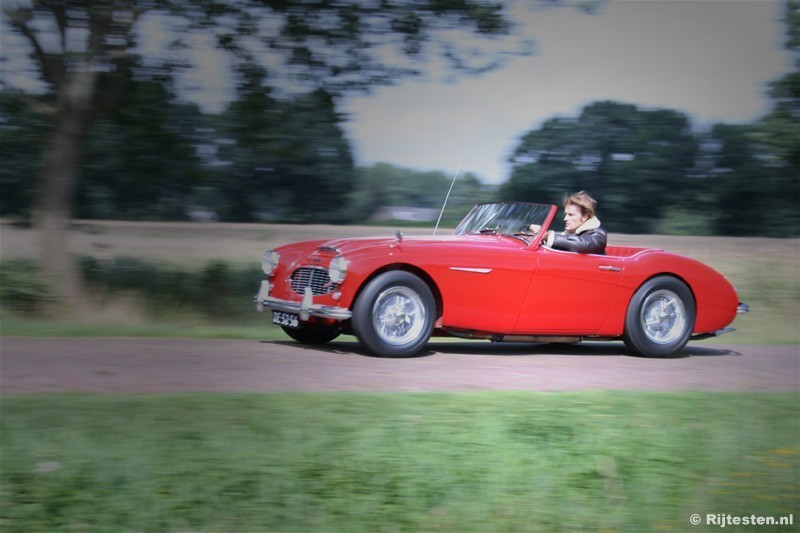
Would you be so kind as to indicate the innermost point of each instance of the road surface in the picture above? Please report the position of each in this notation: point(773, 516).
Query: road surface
point(183, 365)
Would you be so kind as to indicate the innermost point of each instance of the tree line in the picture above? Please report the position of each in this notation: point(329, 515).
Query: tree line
point(652, 173)
point(270, 160)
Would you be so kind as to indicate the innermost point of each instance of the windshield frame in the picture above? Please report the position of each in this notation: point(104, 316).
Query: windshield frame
point(508, 219)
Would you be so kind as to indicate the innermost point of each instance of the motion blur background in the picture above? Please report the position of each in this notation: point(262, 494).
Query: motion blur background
point(680, 118)
point(150, 150)
point(280, 111)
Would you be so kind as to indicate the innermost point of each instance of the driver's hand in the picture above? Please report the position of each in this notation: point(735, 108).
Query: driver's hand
point(535, 228)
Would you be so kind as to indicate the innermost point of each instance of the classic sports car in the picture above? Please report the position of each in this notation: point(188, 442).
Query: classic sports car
point(492, 279)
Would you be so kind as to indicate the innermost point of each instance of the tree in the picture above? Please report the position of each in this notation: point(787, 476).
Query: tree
point(382, 184)
point(70, 65)
point(290, 157)
point(758, 165)
point(80, 50)
point(22, 132)
point(779, 132)
point(140, 160)
point(740, 202)
point(780, 129)
point(634, 161)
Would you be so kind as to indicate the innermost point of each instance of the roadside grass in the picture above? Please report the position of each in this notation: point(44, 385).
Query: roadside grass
point(198, 280)
point(495, 461)
point(13, 326)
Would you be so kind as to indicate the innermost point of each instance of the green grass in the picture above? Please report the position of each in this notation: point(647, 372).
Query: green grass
point(396, 462)
point(13, 326)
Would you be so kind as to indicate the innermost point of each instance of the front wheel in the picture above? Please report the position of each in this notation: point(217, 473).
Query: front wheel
point(660, 317)
point(394, 315)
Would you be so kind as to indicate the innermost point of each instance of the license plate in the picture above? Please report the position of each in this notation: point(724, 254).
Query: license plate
point(287, 320)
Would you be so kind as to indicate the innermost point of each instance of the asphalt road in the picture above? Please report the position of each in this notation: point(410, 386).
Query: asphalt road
point(181, 365)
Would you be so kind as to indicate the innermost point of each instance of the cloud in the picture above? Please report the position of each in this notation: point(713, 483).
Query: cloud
point(709, 59)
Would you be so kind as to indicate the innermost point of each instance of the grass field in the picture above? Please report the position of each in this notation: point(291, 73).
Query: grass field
point(765, 271)
point(505, 462)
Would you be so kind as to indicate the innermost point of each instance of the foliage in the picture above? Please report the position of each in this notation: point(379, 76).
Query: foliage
point(752, 194)
point(22, 134)
point(140, 161)
point(508, 461)
point(758, 165)
point(291, 159)
point(633, 161)
point(383, 184)
point(781, 127)
point(651, 174)
point(217, 291)
point(22, 288)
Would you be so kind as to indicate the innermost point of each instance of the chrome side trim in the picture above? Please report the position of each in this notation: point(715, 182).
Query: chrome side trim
point(474, 270)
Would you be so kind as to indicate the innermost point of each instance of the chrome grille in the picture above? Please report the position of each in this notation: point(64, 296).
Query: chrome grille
point(316, 278)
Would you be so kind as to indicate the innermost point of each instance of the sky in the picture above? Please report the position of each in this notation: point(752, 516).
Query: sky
point(711, 59)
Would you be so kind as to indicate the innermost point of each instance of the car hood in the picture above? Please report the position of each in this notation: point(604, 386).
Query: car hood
point(353, 245)
point(365, 253)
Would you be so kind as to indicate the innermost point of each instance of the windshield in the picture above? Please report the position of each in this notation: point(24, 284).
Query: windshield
point(505, 218)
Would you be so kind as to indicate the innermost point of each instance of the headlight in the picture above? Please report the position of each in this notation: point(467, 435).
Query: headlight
point(337, 269)
point(270, 262)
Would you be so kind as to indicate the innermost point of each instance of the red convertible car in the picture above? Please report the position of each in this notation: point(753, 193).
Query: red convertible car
point(492, 279)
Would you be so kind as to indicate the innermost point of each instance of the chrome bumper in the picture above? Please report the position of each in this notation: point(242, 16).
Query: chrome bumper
point(304, 309)
point(701, 336)
point(740, 309)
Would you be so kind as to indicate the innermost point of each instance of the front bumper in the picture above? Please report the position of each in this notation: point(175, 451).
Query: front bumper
point(304, 309)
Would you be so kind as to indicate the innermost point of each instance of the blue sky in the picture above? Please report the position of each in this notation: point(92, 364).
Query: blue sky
point(711, 59)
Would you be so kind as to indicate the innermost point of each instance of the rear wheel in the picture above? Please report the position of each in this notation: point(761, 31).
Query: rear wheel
point(394, 315)
point(660, 317)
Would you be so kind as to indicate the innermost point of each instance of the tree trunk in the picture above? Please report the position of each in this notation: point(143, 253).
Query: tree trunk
point(55, 196)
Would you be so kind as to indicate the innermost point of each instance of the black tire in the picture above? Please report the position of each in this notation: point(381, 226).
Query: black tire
point(660, 317)
point(394, 315)
point(312, 334)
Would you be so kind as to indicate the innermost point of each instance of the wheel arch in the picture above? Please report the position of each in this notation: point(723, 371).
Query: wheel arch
point(412, 269)
point(650, 343)
point(678, 277)
point(673, 275)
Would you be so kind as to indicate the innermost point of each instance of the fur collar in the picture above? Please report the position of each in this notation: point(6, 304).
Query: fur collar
point(592, 223)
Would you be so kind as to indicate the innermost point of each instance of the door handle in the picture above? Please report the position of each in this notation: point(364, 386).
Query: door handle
point(609, 268)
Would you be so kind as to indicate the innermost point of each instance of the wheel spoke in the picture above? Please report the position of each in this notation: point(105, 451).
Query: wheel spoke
point(399, 315)
point(663, 317)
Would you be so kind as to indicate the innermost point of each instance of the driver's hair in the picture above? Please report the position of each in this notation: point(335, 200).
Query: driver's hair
point(583, 201)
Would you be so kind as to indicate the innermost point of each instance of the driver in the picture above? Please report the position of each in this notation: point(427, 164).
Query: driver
point(582, 233)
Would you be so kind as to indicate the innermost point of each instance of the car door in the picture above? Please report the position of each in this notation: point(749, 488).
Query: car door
point(569, 293)
point(483, 288)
